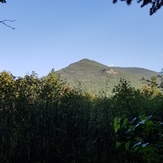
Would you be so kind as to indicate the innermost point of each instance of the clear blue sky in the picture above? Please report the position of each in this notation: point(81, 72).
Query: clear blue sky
point(55, 33)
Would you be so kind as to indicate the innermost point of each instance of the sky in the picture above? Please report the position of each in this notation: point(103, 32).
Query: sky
point(55, 33)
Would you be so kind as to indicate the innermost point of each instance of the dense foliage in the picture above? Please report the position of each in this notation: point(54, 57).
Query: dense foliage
point(141, 139)
point(44, 120)
point(139, 132)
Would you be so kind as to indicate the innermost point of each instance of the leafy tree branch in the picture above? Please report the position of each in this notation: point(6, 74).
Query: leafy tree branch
point(156, 4)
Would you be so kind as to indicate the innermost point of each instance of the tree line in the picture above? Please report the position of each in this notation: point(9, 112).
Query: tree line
point(45, 120)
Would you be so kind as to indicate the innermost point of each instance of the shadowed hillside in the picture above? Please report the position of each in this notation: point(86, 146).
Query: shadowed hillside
point(97, 78)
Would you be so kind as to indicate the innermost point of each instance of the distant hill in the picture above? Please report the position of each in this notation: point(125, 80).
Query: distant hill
point(97, 78)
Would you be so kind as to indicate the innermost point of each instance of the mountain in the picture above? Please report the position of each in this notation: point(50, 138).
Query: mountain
point(97, 78)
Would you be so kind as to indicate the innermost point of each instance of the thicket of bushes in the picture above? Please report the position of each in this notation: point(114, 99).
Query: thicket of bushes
point(44, 120)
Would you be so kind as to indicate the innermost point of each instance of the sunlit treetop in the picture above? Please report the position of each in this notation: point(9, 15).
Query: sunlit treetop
point(155, 4)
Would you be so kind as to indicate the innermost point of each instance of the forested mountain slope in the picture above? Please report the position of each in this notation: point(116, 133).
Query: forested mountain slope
point(96, 77)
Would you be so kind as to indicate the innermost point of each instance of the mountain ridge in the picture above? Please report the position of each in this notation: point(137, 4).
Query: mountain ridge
point(95, 77)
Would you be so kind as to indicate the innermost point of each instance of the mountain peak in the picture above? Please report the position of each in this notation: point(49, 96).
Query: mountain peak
point(86, 60)
point(88, 64)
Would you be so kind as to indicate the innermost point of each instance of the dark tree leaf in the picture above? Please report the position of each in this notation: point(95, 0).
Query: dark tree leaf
point(155, 4)
point(3, 1)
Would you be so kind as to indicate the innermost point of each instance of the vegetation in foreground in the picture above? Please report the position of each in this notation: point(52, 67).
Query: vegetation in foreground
point(44, 120)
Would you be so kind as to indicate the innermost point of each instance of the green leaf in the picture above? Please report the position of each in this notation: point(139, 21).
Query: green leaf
point(137, 148)
point(127, 145)
point(131, 128)
point(125, 122)
point(118, 144)
point(116, 124)
point(149, 127)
